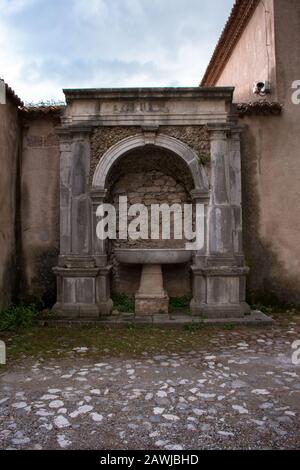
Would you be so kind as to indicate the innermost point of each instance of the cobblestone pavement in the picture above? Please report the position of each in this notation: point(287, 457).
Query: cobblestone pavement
point(241, 394)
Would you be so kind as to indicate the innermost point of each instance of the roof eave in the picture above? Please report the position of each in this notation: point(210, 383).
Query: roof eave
point(13, 96)
point(240, 16)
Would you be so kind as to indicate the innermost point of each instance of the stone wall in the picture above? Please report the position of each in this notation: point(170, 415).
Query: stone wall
point(39, 207)
point(9, 158)
point(150, 176)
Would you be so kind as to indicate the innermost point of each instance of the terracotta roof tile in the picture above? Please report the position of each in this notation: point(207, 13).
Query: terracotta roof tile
point(13, 96)
point(259, 108)
point(241, 13)
point(42, 110)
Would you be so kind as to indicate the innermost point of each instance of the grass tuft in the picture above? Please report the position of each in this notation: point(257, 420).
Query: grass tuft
point(17, 316)
point(229, 326)
point(194, 326)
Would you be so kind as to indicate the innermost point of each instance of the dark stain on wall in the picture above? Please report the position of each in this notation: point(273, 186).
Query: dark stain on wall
point(266, 284)
point(42, 288)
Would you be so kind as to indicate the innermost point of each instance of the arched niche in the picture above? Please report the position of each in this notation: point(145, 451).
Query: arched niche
point(116, 152)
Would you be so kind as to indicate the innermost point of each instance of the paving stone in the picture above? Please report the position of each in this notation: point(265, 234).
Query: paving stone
point(237, 393)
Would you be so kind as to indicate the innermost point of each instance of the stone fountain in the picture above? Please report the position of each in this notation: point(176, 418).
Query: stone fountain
point(100, 127)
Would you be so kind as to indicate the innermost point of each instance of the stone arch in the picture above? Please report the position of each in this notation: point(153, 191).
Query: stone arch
point(117, 151)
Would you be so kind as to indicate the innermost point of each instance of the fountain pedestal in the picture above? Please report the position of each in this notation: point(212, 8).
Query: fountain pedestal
point(151, 297)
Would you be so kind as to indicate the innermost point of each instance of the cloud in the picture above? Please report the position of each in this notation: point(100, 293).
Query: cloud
point(46, 46)
point(11, 7)
point(88, 72)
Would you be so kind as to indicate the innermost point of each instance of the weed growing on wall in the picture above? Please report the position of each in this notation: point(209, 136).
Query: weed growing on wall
point(123, 303)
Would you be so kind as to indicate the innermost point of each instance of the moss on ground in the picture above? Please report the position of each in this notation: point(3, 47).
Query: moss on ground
point(102, 341)
point(131, 341)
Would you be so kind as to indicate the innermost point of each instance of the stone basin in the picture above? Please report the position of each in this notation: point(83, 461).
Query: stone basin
point(153, 256)
point(151, 297)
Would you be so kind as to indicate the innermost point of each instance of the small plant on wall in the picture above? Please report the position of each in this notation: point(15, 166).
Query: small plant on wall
point(204, 159)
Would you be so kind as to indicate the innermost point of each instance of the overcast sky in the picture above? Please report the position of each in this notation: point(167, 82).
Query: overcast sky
point(47, 45)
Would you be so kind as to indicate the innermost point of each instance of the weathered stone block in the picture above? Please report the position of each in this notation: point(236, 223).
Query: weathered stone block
point(151, 306)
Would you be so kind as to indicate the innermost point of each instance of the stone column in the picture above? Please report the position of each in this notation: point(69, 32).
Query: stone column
point(219, 276)
point(79, 279)
point(75, 226)
point(200, 256)
point(235, 178)
point(80, 211)
point(200, 197)
point(65, 191)
point(99, 251)
point(235, 188)
point(99, 247)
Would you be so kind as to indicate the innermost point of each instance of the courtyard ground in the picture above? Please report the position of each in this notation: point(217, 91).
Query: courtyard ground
point(145, 388)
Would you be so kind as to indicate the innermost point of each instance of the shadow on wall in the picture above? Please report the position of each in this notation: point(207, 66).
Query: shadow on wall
point(42, 287)
point(266, 284)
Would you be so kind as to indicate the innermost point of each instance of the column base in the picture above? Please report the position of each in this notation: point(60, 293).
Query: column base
point(219, 292)
point(82, 291)
point(72, 311)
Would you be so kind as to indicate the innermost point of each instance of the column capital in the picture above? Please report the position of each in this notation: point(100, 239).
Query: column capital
point(200, 196)
point(218, 131)
point(98, 195)
point(73, 132)
point(235, 132)
point(218, 126)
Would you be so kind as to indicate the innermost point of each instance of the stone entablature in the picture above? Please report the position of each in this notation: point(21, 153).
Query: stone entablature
point(147, 106)
point(175, 121)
